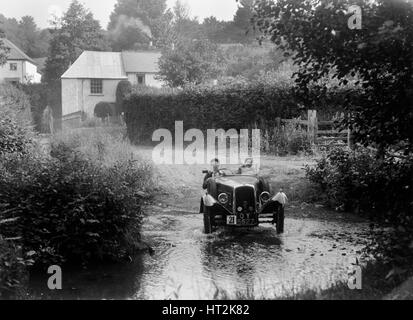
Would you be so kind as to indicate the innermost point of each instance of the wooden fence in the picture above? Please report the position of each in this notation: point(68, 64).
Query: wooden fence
point(322, 133)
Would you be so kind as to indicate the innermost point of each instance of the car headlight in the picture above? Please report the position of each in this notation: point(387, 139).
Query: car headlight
point(223, 198)
point(265, 196)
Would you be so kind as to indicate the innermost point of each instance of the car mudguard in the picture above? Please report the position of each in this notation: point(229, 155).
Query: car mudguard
point(208, 200)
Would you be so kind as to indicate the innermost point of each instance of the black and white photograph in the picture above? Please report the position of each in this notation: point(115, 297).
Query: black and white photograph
point(218, 152)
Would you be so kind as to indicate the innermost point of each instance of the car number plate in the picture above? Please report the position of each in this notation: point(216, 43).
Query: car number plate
point(247, 222)
point(231, 220)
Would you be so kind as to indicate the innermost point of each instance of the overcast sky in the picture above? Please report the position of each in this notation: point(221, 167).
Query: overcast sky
point(41, 9)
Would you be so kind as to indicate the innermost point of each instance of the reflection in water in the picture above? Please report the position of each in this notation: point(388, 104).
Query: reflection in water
point(254, 263)
point(230, 264)
point(117, 281)
point(231, 261)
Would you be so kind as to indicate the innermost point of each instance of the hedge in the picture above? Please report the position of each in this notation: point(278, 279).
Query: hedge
point(234, 105)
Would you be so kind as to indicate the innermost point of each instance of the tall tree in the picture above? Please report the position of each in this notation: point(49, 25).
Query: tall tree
point(30, 39)
point(190, 62)
point(75, 32)
point(10, 27)
point(373, 42)
point(133, 23)
point(26, 35)
point(164, 30)
point(185, 26)
point(3, 50)
point(241, 30)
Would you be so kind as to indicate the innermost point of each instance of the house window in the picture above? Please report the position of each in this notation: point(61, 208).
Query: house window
point(13, 66)
point(141, 79)
point(96, 86)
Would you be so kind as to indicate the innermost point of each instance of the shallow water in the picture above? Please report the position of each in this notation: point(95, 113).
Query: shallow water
point(255, 263)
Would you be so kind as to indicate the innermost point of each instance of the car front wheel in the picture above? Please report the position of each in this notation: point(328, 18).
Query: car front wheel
point(280, 220)
point(207, 223)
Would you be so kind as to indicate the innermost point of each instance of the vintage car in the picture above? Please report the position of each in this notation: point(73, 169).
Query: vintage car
point(241, 199)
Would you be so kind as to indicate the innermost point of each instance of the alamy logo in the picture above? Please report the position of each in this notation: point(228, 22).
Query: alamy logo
point(55, 281)
point(355, 21)
point(355, 278)
point(231, 146)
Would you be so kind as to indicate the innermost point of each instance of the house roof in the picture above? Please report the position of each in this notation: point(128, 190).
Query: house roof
point(112, 65)
point(97, 65)
point(141, 61)
point(15, 52)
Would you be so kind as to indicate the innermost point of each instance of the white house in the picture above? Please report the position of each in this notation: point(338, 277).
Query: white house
point(94, 77)
point(19, 68)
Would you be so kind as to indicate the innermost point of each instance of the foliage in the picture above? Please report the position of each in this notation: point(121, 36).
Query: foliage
point(15, 134)
point(379, 189)
point(190, 62)
point(251, 61)
point(13, 137)
point(288, 138)
point(81, 204)
point(234, 104)
point(13, 272)
point(3, 51)
point(26, 35)
point(379, 55)
point(355, 180)
point(75, 32)
point(40, 96)
point(104, 110)
point(75, 206)
point(15, 103)
point(123, 89)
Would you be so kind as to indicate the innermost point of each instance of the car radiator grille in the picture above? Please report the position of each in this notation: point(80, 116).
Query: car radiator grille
point(245, 199)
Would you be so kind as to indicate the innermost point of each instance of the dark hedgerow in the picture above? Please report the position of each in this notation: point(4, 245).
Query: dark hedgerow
point(70, 209)
point(235, 105)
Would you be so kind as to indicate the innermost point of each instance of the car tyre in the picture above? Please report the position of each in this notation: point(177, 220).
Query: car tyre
point(280, 220)
point(207, 222)
point(212, 188)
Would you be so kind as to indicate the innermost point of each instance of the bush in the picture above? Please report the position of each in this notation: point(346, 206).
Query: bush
point(237, 105)
point(104, 110)
point(13, 137)
point(289, 138)
point(74, 207)
point(13, 272)
point(15, 104)
point(358, 181)
point(380, 189)
point(38, 95)
point(123, 89)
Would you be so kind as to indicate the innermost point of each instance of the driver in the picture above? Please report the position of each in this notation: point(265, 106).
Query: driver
point(246, 166)
point(215, 170)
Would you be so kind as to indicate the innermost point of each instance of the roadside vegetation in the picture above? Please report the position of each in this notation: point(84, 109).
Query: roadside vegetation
point(374, 179)
point(80, 202)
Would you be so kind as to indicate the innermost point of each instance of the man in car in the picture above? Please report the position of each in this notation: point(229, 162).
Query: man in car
point(215, 170)
point(247, 166)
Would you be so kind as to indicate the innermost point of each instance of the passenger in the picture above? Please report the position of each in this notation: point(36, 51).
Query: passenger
point(247, 166)
point(215, 170)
